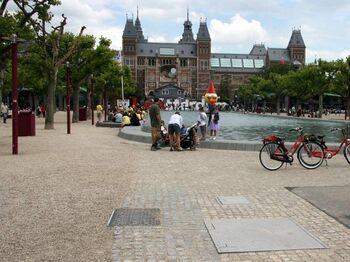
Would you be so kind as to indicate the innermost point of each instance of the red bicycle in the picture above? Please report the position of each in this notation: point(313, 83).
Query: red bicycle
point(329, 153)
point(274, 152)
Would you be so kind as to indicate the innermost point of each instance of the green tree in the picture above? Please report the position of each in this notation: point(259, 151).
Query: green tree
point(342, 82)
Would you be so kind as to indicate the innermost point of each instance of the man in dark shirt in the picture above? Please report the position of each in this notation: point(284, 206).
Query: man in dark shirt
point(154, 114)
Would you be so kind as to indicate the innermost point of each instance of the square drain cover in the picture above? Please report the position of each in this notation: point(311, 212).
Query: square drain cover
point(232, 200)
point(265, 234)
point(135, 217)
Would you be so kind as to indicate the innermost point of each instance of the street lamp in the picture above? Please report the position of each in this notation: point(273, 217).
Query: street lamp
point(68, 96)
point(92, 99)
point(14, 95)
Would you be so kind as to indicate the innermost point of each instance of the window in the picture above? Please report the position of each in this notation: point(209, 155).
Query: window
point(259, 63)
point(151, 61)
point(248, 63)
point(225, 62)
point(166, 51)
point(194, 62)
point(165, 92)
point(179, 92)
point(140, 61)
point(214, 62)
point(236, 62)
point(183, 62)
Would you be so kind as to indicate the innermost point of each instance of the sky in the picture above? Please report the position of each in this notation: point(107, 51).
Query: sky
point(234, 25)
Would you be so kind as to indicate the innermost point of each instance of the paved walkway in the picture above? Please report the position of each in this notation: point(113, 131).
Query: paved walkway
point(57, 195)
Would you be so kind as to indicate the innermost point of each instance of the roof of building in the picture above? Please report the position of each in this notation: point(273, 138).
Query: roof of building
point(203, 32)
point(258, 49)
point(187, 35)
point(237, 62)
point(138, 28)
point(167, 49)
point(296, 40)
point(129, 29)
point(278, 54)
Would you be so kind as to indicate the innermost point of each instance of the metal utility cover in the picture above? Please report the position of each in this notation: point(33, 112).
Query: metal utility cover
point(232, 200)
point(260, 234)
point(135, 217)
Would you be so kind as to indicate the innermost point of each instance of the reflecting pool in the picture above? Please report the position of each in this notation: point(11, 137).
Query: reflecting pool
point(250, 127)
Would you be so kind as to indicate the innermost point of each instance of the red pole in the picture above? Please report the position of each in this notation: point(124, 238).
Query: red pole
point(68, 97)
point(92, 100)
point(14, 97)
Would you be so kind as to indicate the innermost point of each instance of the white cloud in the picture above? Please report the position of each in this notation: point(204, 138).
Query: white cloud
point(238, 31)
point(328, 55)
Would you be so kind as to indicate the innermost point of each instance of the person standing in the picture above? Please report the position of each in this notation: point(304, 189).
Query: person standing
point(43, 110)
point(4, 112)
point(99, 110)
point(202, 120)
point(154, 114)
point(174, 126)
point(213, 123)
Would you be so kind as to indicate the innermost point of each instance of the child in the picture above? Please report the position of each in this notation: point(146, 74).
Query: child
point(202, 121)
point(214, 123)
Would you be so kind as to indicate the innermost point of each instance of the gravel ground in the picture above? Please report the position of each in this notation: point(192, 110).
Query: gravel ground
point(57, 194)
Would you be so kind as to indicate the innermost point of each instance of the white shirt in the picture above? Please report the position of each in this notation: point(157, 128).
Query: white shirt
point(4, 109)
point(176, 119)
point(202, 119)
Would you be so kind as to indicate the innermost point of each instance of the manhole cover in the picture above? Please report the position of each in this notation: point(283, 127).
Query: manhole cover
point(232, 200)
point(261, 234)
point(135, 217)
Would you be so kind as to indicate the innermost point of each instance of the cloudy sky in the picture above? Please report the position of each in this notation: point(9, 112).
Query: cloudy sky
point(234, 25)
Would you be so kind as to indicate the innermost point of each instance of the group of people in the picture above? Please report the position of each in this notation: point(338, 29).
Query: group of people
point(175, 125)
point(213, 123)
point(125, 117)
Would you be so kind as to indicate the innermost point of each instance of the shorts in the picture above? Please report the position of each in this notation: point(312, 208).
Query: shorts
point(173, 129)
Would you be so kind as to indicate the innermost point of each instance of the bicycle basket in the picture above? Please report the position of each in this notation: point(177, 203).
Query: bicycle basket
point(310, 137)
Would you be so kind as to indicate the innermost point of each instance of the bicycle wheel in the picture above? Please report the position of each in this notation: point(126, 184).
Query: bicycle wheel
point(267, 152)
point(347, 153)
point(310, 155)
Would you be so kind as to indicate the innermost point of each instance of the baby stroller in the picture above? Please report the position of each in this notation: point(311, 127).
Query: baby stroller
point(189, 138)
point(164, 138)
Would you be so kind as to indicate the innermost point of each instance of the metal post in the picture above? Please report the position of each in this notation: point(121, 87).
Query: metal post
point(105, 104)
point(14, 96)
point(68, 96)
point(92, 100)
point(122, 89)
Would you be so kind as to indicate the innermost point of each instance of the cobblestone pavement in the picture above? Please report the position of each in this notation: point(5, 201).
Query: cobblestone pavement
point(184, 185)
point(58, 193)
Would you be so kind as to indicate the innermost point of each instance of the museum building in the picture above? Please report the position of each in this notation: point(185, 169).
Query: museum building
point(186, 67)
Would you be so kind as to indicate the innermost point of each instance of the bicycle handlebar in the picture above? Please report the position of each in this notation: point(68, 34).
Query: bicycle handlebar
point(298, 129)
point(336, 129)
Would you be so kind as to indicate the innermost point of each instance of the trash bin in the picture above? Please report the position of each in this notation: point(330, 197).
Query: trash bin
point(26, 123)
point(82, 114)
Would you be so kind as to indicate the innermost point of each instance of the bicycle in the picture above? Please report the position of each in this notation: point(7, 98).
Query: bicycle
point(274, 153)
point(329, 153)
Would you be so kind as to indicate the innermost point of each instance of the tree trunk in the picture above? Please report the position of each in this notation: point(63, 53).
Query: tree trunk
point(88, 104)
point(51, 101)
point(75, 103)
point(320, 106)
point(347, 108)
point(2, 77)
point(278, 105)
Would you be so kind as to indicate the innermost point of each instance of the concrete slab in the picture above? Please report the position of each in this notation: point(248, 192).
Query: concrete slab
point(333, 200)
point(232, 200)
point(259, 234)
